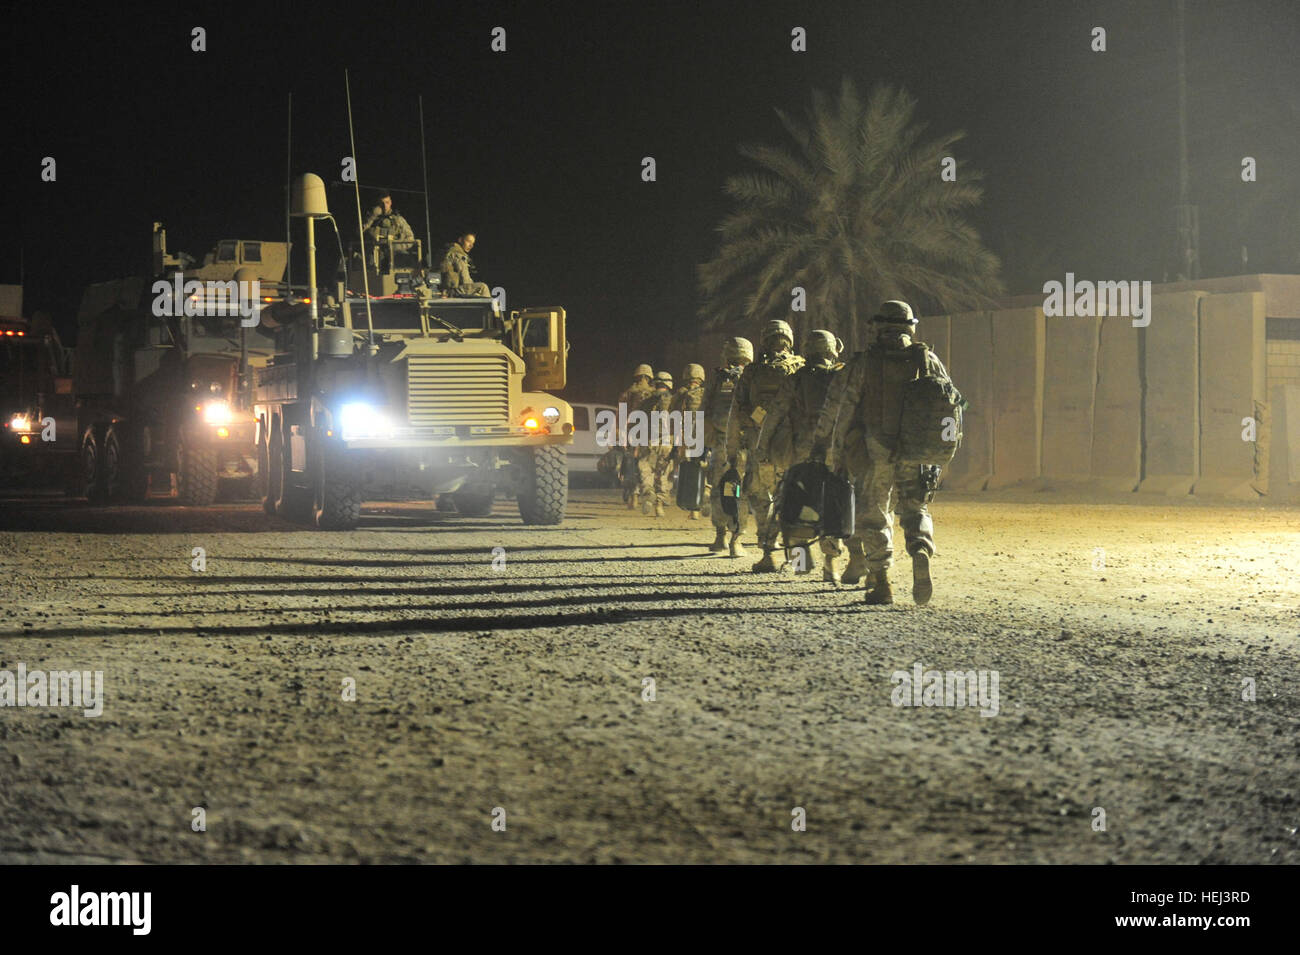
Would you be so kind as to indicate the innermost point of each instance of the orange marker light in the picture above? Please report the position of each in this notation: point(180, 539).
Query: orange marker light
point(531, 424)
point(26, 439)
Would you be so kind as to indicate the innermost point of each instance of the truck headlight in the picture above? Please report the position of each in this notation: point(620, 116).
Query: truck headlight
point(361, 420)
point(217, 413)
point(552, 415)
point(20, 422)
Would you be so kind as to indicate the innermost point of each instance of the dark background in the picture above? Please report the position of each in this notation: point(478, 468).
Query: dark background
point(539, 149)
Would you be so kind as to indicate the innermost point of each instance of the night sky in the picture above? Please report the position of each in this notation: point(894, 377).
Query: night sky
point(539, 149)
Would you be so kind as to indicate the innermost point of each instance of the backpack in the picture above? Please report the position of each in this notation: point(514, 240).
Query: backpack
point(929, 429)
point(815, 497)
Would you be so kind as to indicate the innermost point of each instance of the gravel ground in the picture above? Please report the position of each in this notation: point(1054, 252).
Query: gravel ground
point(519, 688)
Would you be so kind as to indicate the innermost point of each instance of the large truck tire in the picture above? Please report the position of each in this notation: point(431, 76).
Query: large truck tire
point(543, 485)
point(338, 494)
point(287, 500)
point(91, 484)
point(474, 500)
point(197, 480)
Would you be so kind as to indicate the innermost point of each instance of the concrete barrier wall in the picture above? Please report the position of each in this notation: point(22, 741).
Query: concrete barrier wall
point(1019, 338)
point(936, 332)
point(970, 362)
point(1171, 408)
point(1284, 442)
point(1069, 393)
point(1232, 362)
point(1117, 411)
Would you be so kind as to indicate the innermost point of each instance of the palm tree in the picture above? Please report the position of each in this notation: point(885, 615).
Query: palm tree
point(855, 212)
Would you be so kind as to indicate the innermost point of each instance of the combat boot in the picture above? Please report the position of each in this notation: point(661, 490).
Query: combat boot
point(766, 564)
point(659, 509)
point(695, 516)
point(829, 572)
point(856, 570)
point(922, 585)
point(647, 507)
point(631, 501)
point(878, 590)
point(735, 547)
point(719, 540)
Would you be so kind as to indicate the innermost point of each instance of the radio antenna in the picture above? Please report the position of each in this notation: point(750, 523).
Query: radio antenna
point(288, 193)
point(356, 181)
point(424, 167)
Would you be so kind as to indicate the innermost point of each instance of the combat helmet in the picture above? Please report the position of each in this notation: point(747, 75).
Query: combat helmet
point(736, 350)
point(664, 378)
point(643, 370)
point(693, 371)
point(895, 312)
point(777, 328)
point(822, 344)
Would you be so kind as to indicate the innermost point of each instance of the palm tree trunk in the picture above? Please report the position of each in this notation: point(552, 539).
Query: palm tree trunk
point(853, 315)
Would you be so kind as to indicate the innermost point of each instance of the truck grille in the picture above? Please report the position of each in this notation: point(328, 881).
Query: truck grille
point(448, 390)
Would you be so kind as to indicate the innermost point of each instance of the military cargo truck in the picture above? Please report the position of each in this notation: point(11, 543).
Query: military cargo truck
point(391, 380)
point(162, 377)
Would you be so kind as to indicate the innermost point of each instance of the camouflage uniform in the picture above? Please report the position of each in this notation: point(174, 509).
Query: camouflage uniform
point(632, 399)
point(688, 399)
point(789, 424)
point(456, 279)
point(753, 397)
point(718, 392)
point(382, 226)
point(859, 428)
point(655, 460)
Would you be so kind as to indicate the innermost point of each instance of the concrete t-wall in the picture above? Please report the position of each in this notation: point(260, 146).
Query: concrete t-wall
point(1117, 410)
point(1171, 406)
point(1232, 363)
point(1069, 394)
point(1019, 340)
point(971, 366)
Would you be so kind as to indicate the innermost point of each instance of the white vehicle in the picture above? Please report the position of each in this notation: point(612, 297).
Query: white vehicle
point(584, 453)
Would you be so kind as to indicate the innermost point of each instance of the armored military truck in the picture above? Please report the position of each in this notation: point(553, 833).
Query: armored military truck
point(162, 375)
point(390, 380)
point(35, 397)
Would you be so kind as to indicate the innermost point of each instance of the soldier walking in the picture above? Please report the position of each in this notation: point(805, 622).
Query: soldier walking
point(655, 459)
point(631, 400)
point(859, 427)
point(789, 427)
point(688, 400)
point(753, 396)
point(736, 354)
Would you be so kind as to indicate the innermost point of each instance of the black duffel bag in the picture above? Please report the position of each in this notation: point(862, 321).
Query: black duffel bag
point(691, 475)
point(813, 496)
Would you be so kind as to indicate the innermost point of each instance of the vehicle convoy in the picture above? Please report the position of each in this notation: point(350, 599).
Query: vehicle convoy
point(34, 373)
point(392, 381)
point(161, 384)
